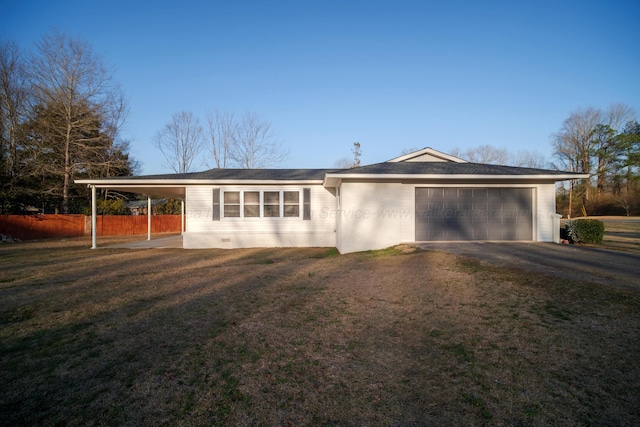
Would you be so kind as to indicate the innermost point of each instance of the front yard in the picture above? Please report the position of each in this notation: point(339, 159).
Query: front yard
point(305, 337)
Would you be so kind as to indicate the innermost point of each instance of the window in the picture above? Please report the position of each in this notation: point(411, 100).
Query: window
point(232, 204)
point(263, 204)
point(291, 204)
point(251, 204)
point(272, 204)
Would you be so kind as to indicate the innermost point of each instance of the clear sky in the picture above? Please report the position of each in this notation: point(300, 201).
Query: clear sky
point(392, 75)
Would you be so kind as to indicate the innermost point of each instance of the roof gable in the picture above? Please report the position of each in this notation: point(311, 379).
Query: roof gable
point(427, 154)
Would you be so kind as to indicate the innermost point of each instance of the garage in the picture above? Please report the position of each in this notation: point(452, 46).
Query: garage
point(461, 214)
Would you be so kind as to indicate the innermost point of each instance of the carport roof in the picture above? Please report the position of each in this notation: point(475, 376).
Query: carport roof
point(238, 174)
point(173, 185)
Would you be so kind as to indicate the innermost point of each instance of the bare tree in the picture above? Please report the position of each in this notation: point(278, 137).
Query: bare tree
point(343, 163)
point(489, 154)
point(222, 130)
point(483, 154)
point(13, 93)
point(255, 145)
point(353, 162)
point(409, 150)
point(528, 159)
point(180, 141)
point(77, 97)
point(587, 138)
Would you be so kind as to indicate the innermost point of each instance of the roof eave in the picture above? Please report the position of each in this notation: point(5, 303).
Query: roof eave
point(333, 180)
point(101, 183)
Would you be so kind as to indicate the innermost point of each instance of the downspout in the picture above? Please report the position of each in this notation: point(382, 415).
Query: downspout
point(148, 217)
point(94, 210)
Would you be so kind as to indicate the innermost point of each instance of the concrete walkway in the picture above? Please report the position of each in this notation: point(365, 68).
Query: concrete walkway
point(168, 242)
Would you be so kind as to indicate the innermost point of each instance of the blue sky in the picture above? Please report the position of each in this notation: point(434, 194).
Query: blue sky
point(392, 75)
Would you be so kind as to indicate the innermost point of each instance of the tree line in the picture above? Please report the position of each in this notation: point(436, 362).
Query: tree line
point(604, 143)
point(61, 116)
point(61, 112)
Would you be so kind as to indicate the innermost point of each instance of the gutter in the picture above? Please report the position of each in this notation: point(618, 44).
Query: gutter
point(334, 180)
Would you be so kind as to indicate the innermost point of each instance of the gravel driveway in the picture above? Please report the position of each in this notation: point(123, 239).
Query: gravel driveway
point(571, 261)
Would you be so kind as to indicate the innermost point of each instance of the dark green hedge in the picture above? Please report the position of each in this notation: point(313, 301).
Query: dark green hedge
point(585, 230)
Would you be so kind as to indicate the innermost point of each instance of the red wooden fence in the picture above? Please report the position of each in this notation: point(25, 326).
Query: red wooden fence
point(26, 227)
point(115, 225)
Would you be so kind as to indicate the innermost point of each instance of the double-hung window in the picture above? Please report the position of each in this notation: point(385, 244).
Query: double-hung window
point(262, 203)
point(291, 204)
point(251, 203)
point(271, 204)
point(232, 204)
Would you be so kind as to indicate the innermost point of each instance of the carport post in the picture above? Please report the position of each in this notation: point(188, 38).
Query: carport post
point(182, 216)
point(148, 217)
point(94, 232)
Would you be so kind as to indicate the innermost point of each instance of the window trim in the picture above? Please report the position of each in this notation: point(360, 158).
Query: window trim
point(261, 191)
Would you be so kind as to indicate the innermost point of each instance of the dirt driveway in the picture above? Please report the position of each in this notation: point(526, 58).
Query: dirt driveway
point(569, 261)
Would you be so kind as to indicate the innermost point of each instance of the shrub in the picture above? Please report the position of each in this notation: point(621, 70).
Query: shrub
point(585, 231)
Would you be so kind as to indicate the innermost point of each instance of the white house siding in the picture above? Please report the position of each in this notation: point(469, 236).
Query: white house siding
point(203, 232)
point(379, 215)
point(545, 211)
point(374, 215)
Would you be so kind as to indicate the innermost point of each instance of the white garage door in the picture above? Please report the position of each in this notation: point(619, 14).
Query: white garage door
point(456, 214)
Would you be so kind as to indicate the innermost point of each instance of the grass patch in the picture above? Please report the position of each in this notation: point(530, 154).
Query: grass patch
point(460, 350)
point(390, 251)
point(219, 337)
point(327, 253)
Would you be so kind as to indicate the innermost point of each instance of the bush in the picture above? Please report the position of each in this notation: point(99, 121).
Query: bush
point(585, 231)
point(109, 207)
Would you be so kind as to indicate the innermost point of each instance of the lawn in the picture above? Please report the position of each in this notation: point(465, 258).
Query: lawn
point(307, 337)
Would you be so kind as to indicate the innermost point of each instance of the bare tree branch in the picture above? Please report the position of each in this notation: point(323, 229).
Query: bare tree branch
point(255, 145)
point(222, 130)
point(180, 141)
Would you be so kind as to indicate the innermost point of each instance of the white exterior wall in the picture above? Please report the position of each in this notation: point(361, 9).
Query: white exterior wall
point(374, 215)
point(203, 232)
point(545, 211)
point(367, 216)
point(379, 215)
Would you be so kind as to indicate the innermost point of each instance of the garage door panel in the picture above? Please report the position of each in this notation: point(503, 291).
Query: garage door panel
point(450, 213)
point(466, 208)
point(481, 235)
point(465, 193)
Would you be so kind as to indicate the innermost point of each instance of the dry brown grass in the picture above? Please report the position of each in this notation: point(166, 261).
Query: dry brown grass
point(621, 233)
point(304, 337)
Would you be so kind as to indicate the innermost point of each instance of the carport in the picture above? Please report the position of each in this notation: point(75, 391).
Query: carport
point(149, 186)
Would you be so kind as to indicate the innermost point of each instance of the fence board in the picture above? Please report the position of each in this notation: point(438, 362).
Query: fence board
point(27, 227)
point(115, 225)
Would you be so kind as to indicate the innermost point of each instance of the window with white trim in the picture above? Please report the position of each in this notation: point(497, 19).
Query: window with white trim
point(251, 204)
point(264, 204)
point(231, 204)
point(291, 204)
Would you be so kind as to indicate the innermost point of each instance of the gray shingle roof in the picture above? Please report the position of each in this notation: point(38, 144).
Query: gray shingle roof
point(380, 169)
point(443, 168)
